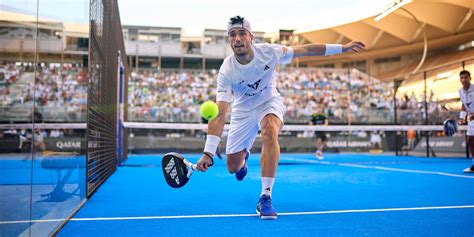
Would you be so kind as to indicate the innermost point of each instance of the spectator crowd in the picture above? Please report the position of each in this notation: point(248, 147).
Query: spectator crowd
point(348, 96)
point(59, 92)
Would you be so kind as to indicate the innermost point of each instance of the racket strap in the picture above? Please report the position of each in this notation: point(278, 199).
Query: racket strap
point(210, 156)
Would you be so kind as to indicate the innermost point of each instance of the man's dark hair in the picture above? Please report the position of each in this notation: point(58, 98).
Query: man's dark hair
point(465, 72)
point(236, 20)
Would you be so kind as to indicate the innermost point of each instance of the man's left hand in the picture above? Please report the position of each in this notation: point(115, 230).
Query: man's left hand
point(354, 46)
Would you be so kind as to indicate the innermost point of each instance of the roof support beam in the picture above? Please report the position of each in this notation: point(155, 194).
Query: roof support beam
point(399, 26)
point(418, 31)
point(376, 39)
point(339, 40)
point(464, 20)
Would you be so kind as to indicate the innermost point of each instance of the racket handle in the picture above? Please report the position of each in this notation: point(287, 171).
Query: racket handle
point(190, 165)
point(194, 167)
point(190, 171)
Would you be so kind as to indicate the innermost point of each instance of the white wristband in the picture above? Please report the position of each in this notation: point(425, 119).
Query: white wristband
point(212, 142)
point(333, 49)
point(462, 114)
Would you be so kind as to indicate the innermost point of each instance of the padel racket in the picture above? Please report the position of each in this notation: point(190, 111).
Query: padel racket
point(176, 169)
point(450, 127)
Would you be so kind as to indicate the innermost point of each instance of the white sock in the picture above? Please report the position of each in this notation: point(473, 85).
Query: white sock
point(267, 185)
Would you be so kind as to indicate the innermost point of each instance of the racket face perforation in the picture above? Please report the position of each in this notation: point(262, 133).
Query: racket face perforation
point(174, 170)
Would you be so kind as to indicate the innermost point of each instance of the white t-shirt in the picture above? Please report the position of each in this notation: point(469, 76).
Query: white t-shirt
point(467, 98)
point(250, 85)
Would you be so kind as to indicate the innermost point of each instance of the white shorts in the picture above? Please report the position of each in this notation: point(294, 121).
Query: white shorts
point(244, 125)
point(470, 128)
point(375, 139)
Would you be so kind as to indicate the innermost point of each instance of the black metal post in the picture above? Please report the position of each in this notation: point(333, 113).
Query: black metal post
point(425, 104)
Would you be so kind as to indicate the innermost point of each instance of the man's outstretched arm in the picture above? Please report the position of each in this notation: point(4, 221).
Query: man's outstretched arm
point(326, 49)
point(215, 127)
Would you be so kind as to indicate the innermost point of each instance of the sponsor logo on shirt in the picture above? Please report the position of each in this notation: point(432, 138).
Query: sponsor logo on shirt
point(254, 85)
point(255, 93)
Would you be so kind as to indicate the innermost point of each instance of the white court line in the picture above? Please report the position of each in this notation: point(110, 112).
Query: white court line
point(32, 221)
point(247, 215)
point(379, 168)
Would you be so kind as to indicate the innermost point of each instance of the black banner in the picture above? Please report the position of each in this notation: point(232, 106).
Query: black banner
point(443, 144)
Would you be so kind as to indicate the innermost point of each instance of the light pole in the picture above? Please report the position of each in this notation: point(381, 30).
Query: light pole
point(399, 5)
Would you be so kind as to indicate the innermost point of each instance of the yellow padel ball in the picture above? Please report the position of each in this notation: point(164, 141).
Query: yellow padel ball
point(209, 110)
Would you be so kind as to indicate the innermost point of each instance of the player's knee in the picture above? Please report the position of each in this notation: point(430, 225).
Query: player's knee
point(234, 161)
point(270, 132)
point(232, 165)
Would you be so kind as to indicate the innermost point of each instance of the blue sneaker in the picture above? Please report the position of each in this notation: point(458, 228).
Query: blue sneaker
point(265, 209)
point(240, 175)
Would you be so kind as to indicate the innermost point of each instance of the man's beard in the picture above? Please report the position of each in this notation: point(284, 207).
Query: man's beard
point(241, 51)
point(241, 54)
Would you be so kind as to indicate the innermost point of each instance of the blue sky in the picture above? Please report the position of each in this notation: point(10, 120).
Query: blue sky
point(194, 16)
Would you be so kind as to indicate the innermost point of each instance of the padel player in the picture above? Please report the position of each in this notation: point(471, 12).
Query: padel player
point(246, 78)
point(466, 116)
point(319, 118)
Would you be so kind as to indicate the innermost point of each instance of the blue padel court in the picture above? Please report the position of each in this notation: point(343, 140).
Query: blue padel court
point(342, 195)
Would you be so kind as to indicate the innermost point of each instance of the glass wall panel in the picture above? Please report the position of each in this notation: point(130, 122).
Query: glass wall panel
point(18, 34)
